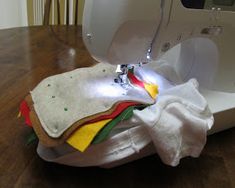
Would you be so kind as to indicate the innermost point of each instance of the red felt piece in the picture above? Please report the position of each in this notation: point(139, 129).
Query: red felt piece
point(25, 110)
point(134, 80)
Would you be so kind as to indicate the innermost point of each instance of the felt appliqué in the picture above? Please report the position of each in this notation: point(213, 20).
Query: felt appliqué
point(32, 138)
point(25, 111)
point(97, 130)
point(134, 80)
point(82, 137)
point(118, 110)
point(152, 89)
point(103, 134)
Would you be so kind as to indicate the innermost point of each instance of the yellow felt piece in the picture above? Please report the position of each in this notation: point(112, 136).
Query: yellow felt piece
point(83, 137)
point(152, 89)
point(19, 115)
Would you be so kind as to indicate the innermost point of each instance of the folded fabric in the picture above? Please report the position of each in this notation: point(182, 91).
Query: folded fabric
point(176, 125)
point(62, 100)
point(51, 142)
point(116, 148)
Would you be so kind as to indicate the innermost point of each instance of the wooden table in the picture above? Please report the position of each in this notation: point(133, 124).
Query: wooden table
point(27, 55)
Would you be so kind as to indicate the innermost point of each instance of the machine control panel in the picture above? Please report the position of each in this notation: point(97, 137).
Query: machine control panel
point(226, 5)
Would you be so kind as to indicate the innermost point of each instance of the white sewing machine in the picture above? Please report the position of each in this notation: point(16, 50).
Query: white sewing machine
point(197, 43)
point(194, 43)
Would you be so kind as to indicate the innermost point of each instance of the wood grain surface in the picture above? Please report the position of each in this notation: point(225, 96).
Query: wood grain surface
point(27, 55)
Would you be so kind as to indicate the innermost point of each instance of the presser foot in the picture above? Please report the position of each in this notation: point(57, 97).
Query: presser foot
point(122, 77)
point(123, 81)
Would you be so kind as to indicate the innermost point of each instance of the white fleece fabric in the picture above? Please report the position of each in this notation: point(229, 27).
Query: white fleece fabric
point(175, 127)
point(178, 122)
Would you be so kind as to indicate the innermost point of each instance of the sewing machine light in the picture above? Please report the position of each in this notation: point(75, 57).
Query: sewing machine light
point(149, 54)
point(109, 90)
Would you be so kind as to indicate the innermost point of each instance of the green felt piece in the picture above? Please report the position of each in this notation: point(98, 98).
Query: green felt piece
point(32, 138)
point(141, 107)
point(103, 134)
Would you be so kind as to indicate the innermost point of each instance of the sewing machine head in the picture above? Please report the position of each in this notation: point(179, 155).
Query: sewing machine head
point(136, 31)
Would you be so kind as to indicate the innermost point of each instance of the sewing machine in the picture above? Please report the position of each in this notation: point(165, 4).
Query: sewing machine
point(196, 41)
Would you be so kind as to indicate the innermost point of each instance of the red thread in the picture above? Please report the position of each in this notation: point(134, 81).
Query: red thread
point(134, 80)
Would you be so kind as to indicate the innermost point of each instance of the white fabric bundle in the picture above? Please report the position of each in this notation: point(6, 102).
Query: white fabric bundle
point(178, 122)
point(175, 127)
